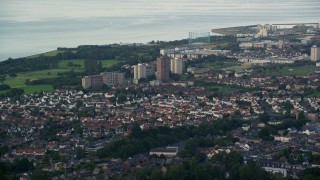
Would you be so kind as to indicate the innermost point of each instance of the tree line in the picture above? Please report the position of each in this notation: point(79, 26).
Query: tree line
point(142, 141)
point(131, 54)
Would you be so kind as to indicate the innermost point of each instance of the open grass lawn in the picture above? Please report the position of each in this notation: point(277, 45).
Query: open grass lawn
point(108, 63)
point(37, 88)
point(184, 76)
point(105, 63)
point(215, 87)
point(15, 82)
point(221, 65)
point(316, 94)
point(3, 91)
point(32, 89)
point(19, 81)
point(64, 64)
point(288, 71)
point(237, 68)
point(225, 90)
point(43, 74)
point(299, 70)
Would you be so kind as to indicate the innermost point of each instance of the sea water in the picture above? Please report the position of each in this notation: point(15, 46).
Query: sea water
point(34, 26)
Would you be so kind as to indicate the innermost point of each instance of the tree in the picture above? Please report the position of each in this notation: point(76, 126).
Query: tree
point(301, 116)
point(27, 82)
point(91, 66)
point(311, 173)
point(264, 117)
point(13, 75)
point(156, 175)
point(70, 64)
point(39, 175)
point(80, 153)
point(113, 99)
point(3, 150)
point(4, 87)
point(2, 78)
point(15, 92)
point(23, 165)
point(122, 98)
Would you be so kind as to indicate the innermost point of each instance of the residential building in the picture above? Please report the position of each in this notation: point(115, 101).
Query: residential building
point(164, 52)
point(106, 78)
point(263, 33)
point(140, 71)
point(155, 83)
point(274, 167)
point(163, 68)
point(315, 53)
point(150, 71)
point(177, 66)
point(113, 78)
point(167, 152)
point(94, 82)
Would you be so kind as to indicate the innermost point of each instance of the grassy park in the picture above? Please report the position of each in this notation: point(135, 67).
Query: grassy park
point(287, 70)
point(80, 62)
point(63, 66)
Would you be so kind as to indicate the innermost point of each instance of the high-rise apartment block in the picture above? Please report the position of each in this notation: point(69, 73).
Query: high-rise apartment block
point(94, 82)
point(163, 68)
point(113, 78)
point(140, 71)
point(150, 71)
point(177, 66)
point(315, 53)
point(106, 78)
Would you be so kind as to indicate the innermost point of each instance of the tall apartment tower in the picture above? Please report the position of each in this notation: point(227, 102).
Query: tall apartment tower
point(163, 68)
point(94, 82)
point(140, 71)
point(106, 78)
point(113, 78)
point(177, 66)
point(315, 53)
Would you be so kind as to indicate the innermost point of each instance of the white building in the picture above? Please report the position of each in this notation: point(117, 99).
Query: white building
point(164, 52)
point(176, 66)
point(282, 138)
point(263, 33)
point(315, 53)
point(140, 71)
point(167, 152)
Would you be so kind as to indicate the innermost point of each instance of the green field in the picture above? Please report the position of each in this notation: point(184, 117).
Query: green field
point(315, 94)
point(3, 91)
point(64, 64)
point(216, 87)
point(37, 88)
point(108, 63)
point(105, 63)
point(299, 70)
point(19, 81)
point(237, 68)
point(287, 70)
